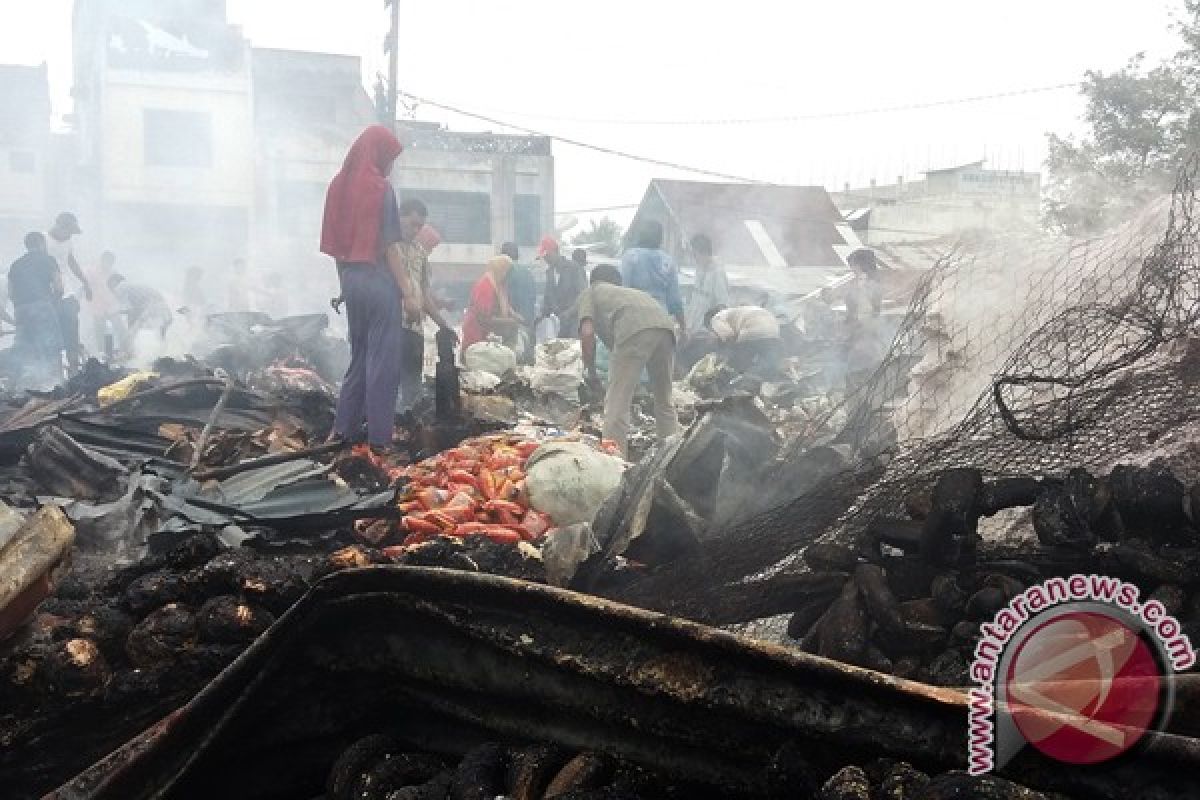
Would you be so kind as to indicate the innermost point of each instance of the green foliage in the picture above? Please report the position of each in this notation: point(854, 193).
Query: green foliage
point(1143, 122)
point(605, 232)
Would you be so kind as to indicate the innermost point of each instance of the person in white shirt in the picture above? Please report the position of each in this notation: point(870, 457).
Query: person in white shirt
point(748, 336)
point(58, 245)
point(108, 325)
point(711, 289)
point(145, 309)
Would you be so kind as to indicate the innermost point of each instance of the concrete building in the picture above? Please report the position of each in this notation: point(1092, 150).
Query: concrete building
point(945, 203)
point(25, 150)
point(308, 109)
point(164, 130)
point(482, 189)
point(191, 147)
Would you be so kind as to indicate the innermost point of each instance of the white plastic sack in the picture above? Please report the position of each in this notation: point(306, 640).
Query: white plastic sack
point(745, 324)
point(569, 481)
point(560, 354)
point(565, 549)
point(559, 367)
point(546, 329)
point(561, 381)
point(471, 381)
point(490, 357)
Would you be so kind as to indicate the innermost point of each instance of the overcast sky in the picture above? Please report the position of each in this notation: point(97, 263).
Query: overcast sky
point(552, 64)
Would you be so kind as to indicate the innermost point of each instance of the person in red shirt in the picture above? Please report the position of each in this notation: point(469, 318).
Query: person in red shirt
point(488, 310)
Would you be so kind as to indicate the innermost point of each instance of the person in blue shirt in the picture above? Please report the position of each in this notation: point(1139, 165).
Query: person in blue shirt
point(645, 266)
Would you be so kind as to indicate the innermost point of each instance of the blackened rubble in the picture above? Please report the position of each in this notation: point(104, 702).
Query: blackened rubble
point(915, 591)
point(153, 595)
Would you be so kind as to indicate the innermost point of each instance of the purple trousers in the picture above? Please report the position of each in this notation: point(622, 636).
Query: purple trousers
point(374, 316)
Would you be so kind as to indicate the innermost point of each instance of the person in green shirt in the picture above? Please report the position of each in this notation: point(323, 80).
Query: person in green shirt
point(639, 335)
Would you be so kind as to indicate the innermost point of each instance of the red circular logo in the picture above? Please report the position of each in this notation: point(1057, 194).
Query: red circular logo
point(1083, 687)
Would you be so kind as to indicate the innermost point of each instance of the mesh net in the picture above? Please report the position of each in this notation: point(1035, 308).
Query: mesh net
point(1018, 356)
point(1076, 354)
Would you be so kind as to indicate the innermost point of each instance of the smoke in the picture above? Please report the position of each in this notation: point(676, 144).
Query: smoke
point(191, 149)
point(991, 292)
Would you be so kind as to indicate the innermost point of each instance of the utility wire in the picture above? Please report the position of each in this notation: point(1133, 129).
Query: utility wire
point(796, 117)
point(576, 143)
point(597, 210)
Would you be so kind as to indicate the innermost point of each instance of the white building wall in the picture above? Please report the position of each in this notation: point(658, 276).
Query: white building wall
point(128, 178)
point(22, 194)
point(500, 176)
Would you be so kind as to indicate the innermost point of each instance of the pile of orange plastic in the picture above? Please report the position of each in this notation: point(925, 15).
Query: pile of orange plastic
point(475, 488)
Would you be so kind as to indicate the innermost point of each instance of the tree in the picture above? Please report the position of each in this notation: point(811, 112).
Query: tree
point(1142, 124)
point(605, 232)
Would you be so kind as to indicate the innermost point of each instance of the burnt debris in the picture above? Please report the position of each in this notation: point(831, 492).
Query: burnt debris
point(915, 591)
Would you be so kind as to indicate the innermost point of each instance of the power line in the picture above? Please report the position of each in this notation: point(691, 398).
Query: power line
point(585, 145)
point(625, 207)
point(796, 117)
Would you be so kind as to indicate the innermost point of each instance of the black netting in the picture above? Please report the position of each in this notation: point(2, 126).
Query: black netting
point(1087, 366)
point(1019, 356)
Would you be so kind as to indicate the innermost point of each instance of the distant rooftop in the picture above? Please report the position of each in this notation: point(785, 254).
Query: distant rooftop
point(972, 165)
point(420, 135)
point(754, 225)
point(183, 44)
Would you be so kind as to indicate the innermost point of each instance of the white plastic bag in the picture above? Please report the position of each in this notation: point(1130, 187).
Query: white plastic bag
point(490, 357)
point(559, 367)
point(557, 381)
point(559, 354)
point(565, 549)
point(569, 480)
point(472, 381)
point(547, 329)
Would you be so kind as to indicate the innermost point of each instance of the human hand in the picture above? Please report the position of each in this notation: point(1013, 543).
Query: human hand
point(412, 307)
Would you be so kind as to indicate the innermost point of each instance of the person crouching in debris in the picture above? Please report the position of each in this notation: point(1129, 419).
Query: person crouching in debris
point(361, 231)
point(35, 288)
point(748, 336)
point(489, 311)
point(145, 309)
point(639, 335)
